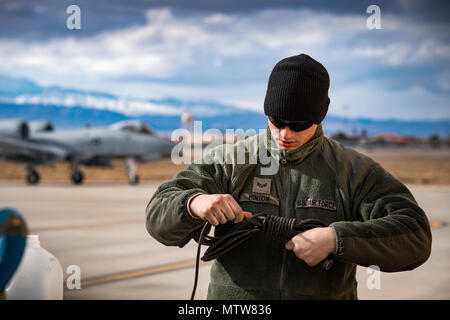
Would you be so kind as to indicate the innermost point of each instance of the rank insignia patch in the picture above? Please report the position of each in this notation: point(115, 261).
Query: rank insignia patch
point(261, 185)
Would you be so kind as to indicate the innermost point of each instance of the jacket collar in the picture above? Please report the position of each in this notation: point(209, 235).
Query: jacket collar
point(298, 154)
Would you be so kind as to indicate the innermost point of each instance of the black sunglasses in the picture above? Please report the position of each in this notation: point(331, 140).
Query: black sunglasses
point(296, 126)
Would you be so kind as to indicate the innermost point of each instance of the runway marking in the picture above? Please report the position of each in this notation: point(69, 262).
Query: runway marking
point(139, 273)
point(86, 225)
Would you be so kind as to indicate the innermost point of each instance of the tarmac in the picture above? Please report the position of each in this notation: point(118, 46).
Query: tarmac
point(101, 229)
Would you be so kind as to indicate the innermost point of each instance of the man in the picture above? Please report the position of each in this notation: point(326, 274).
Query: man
point(371, 218)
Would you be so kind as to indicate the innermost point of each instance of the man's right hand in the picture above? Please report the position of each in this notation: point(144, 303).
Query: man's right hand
point(218, 209)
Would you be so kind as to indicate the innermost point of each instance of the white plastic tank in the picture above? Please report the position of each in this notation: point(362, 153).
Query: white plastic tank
point(39, 275)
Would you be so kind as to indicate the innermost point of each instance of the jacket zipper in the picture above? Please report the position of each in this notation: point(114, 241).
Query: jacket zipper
point(286, 187)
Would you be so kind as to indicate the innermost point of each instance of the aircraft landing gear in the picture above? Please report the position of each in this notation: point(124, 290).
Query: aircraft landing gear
point(77, 177)
point(131, 167)
point(134, 180)
point(32, 176)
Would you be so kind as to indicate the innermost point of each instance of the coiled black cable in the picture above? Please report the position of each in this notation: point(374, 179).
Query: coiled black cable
point(279, 227)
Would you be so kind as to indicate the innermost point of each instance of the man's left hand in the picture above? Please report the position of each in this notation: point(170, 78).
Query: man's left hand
point(314, 245)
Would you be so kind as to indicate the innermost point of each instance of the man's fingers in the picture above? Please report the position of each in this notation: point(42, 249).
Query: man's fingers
point(228, 211)
point(247, 214)
point(239, 216)
point(220, 216)
point(212, 219)
point(289, 245)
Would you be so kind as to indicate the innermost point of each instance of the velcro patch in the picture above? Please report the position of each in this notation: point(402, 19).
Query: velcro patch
point(261, 185)
point(316, 203)
point(259, 198)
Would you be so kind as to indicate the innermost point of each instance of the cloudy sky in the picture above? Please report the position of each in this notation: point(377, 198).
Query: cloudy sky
point(224, 51)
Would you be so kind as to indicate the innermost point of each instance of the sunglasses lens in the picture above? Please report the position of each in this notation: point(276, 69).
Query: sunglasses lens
point(300, 126)
point(293, 125)
point(277, 122)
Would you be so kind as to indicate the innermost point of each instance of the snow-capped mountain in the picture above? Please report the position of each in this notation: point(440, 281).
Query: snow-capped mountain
point(21, 91)
point(24, 99)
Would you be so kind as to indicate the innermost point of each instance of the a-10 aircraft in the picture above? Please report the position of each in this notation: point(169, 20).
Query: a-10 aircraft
point(36, 144)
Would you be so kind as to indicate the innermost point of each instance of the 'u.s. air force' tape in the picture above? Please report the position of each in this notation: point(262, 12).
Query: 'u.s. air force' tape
point(316, 203)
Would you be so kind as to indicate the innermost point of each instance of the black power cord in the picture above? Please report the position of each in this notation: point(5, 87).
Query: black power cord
point(206, 228)
point(279, 227)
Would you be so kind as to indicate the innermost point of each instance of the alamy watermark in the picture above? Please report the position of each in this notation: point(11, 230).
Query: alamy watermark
point(212, 146)
point(73, 281)
point(73, 21)
point(374, 20)
point(374, 280)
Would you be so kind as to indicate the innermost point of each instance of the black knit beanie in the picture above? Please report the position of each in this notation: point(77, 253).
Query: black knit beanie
point(298, 90)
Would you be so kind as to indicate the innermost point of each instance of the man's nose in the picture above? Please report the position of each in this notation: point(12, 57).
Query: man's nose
point(286, 133)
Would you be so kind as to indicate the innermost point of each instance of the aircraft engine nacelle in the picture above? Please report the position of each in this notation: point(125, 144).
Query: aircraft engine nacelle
point(14, 129)
point(40, 126)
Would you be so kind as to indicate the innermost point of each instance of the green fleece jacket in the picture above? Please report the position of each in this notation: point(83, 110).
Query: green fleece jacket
point(376, 219)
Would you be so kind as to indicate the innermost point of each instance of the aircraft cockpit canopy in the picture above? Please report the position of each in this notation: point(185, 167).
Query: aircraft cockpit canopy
point(135, 126)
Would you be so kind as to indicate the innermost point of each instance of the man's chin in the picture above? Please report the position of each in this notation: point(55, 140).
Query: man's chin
point(283, 147)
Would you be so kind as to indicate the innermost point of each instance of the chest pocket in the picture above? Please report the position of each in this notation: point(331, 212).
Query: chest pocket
point(322, 203)
point(324, 210)
point(259, 196)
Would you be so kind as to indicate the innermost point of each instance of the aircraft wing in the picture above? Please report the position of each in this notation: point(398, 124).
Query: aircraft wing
point(28, 149)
